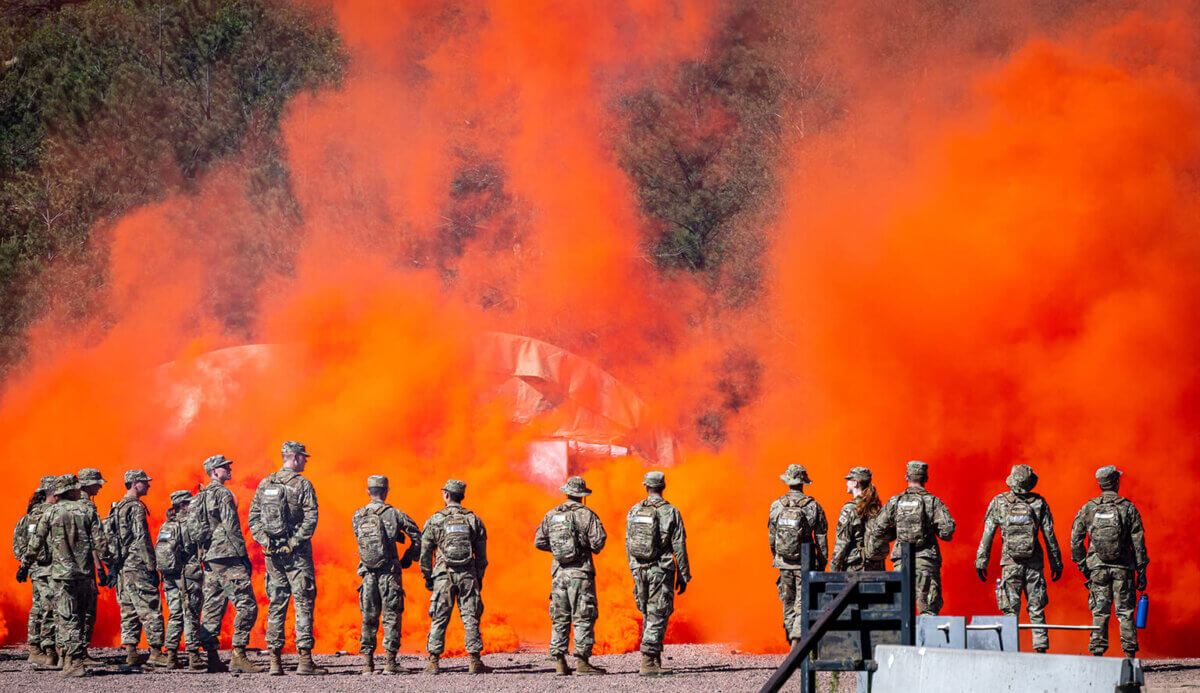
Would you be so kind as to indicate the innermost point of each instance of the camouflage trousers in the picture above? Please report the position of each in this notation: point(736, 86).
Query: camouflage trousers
point(380, 596)
point(928, 585)
point(1109, 587)
point(789, 594)
point(461, 587)
point(141, 608)
point(89, 609)
point(654, 593)
point(291, 577)
point(226, 580)
point(68, 627)
point(1015, 579)
point(41, 612)
point(185, 598)
point(573, 602)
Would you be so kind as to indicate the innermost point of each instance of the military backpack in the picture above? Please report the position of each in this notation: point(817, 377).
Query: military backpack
point(273, 506)
point(116, 532)
point(1107, 530)
point(912, 522)
point(642, 532)
point(199, 522)
point(792, 529)
point(168, 550)
point(564, 541)
point(372, 537)
point(1019, 528)
point(456, 543)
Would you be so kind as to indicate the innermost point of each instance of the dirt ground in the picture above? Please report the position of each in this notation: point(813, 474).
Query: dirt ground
point(709, 668)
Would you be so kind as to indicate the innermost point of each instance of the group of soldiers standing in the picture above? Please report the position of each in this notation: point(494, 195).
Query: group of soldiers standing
point(1107, 544)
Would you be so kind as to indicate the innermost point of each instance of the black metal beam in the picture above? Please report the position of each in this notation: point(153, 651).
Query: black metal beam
point(809, 642)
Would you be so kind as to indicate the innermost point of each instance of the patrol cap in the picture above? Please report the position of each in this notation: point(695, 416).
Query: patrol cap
point(48, 483)
point(180, 497)
point(135, 475)
point(292, 447)
point(859, 474)
point(654, 480)
point(795, 475)
point(66, 482)
point(216, 462)
point(1108, 474)
point(575, 486)
point(455, 486)
point(916, 470)
point(377, 481)
point(1021, 477)
point(90, 477)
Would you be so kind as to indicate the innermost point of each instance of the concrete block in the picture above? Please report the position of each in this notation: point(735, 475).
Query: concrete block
point(1004, 638)
point(945, 670)
point(942, 631)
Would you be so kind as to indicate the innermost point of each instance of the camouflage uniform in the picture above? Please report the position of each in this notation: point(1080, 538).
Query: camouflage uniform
point(381, 594)
point(291, 574)
point(1021, 565)
point(1111, 582)
point(41, 606)
point(183, 588)
point(451, 584)
point(818, 535)
point(137, 584)
point(850, 536)
point(937, 524)
point(654, 579)
point(72, 531)
point(573, 585)
point(89, 477)
point(226, 564)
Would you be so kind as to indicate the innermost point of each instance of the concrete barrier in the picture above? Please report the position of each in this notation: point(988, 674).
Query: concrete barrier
point(944, 670)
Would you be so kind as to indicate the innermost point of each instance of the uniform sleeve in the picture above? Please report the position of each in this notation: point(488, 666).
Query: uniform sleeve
point(40, 537)
point(679, 546)
point(255, 518)
point(772, 516)
point(480, 547)
point(881, 530)
point(1137, 533)
point(821, 536)
point(429, 537)
point(841, 538)
point(541, 539)
point(628, 555)
point(1053, 550)
point(21, 537)
point(308, 504)
point(596, 535)
point(410, 530)
point(943, 522)
point(983, 555)
point(227, 516)
point(1078, 533)
point(98, 536)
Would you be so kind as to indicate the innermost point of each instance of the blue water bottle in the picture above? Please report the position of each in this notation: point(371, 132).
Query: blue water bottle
point(1143, 607)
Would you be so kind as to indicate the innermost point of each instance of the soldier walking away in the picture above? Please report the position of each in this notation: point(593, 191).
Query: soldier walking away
point(182, 576)
point(794, 523)
point(850, 536)
point(571, 533)
point(283, 517)
point(91, 481)
point(1020, 514)
point(459, 539)
point(1113, 560)
point(919, 518)
point(378, 527)
point(73, 533)
point(213, 523)
point(656, 545)
point(41, 607)
point(137, 584)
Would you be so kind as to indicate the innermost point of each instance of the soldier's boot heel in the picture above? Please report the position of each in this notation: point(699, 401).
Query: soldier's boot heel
point(389, 664)
point(662, 671)
point(432, 667)
point(307, 667)
point(131, 656)
point(172, 659)
point(477, 666)
point(72, 668)
point(53, 657)
point(276, 662)
point(240, 662)
point(368, 666)
point(89, 661)
point(649, 667)
point(560, 666)
point(583, 667)
point(214, 665)
point(157, 658)
point(195, 660)
point(35, 654)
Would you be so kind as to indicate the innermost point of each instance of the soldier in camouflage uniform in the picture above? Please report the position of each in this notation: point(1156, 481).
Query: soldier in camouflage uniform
point(214, 525)
point(1113, 560)
point(41, 607)
point(850, 536)
point(283, 517)
point(459, 540)
point(1019, 515)
point(795, 522)
point(571, 532)
point(91, 481)
point(656, 546)
point(378, 527)
point(72, 531)
point(182, 577)
point(919, 518)
point(137, 584)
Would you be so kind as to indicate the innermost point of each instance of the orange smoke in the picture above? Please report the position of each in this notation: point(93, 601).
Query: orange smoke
point(1000, 273)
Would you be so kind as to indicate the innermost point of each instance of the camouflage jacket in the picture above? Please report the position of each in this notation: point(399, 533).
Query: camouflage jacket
point(301, 507)
point(882, 529)
point(106, 555)
point(132, 527)
point(431, 537)
point(672, 534)
point(589, 533)
point(816, 519)
point(189, 550)
point(850, 540)
point(221, 507)
point(993, 520)
point(1133, 540)
point(73, 533)
point(26, 526)
point(399, 528)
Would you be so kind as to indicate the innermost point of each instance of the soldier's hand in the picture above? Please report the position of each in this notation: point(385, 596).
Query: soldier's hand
point(680, 587)
point(1141, 581)
point(429, 584)
point(405, 562)
point(101, 575)
point(23, 573)
point(982, 573)
point(1055, 573)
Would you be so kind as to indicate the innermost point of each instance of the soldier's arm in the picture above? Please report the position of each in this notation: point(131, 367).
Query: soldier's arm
point(1137, 533)
point(227, 516)
point(21, 537)
point(821, 535)
point(628, 555)
point(943, 522)
point(541, 539)
point(99, 539)
point(679, 546)
point(308, 503)
point(410, 529)
point(428, 541)
point(841, 538)
point(255, 519)
point(38, 539)
point(142, 538)
point(983, 555)
point(597, 537)
point(481, 561)
point(772, 516)
point(1078, 533)
point(1053, 550)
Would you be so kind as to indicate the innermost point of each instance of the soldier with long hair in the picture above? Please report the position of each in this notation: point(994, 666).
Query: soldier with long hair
point(849, 546)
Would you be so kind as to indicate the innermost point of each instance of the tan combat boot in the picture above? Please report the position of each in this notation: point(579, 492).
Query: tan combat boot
point(89, 661)
point(131, 656)
point(276, 661)
point(35, 654)
point(477, 666)
point(649, 666)
point(195, 660)
point(157, 658)
point(432, 667)
point(240, 662)
point(585, 668)
point(368, 667)
point(662, 671)
point(307, 667)
point(172, 659)
point(389, 664)
point(560, 665)
point(72, 668)
point(53, 657)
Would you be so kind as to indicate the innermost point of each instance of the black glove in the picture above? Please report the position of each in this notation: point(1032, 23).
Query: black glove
point(101, 575)
point(1087, 572)
point(1141, 581)
point(680, 587)
point(23, 573)
point(1055, 573)
point(982, 573)
point(429, 584)
point(405, 562)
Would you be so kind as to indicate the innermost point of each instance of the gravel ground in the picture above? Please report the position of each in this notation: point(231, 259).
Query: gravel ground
point(710, 668)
